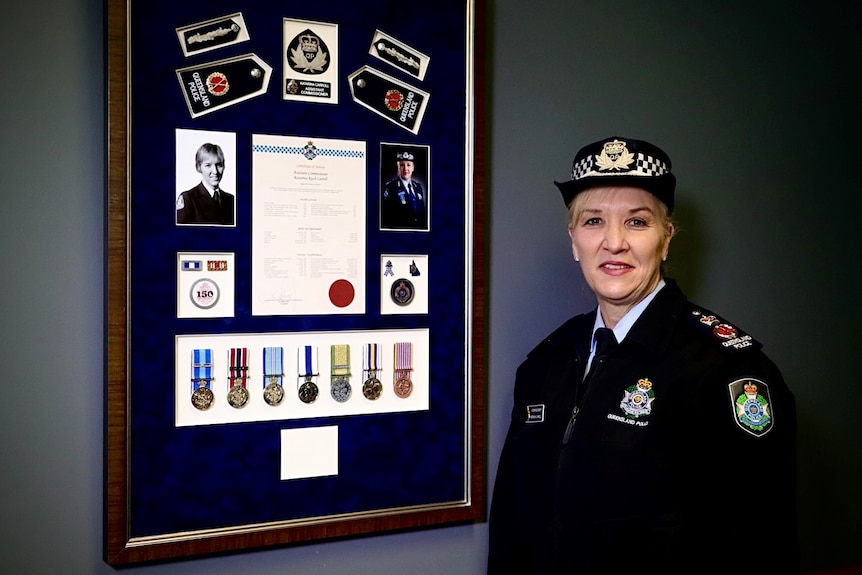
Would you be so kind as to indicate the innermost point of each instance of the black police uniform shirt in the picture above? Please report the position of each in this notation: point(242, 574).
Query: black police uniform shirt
point(197, 206)
point(681, 456)
point(399, 208)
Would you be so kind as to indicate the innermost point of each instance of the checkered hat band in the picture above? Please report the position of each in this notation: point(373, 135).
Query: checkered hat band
point(644, 166)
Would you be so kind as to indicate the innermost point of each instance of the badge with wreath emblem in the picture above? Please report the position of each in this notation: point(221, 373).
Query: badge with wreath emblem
point(750, 401)
point(638, 398)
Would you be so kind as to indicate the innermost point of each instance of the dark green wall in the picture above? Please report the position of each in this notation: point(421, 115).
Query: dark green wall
point(758, 105)
point(755, 102)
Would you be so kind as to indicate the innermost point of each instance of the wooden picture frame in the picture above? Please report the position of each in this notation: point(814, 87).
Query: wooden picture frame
point(188, 470)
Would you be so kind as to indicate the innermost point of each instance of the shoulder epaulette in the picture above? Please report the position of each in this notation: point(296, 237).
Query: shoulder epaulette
point(719, 330)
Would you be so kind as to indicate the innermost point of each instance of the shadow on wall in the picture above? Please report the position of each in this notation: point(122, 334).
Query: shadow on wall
point(687, 250)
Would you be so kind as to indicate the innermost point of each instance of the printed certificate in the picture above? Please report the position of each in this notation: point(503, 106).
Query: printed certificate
point(308, 226)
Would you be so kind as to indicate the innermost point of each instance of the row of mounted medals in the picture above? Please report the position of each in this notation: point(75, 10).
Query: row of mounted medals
point(238, 395)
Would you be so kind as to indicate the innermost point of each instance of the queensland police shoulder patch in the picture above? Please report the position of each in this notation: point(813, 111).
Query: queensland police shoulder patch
point(751, 405)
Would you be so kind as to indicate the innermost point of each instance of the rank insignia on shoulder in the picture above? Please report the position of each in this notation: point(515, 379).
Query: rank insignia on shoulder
point(750, 402)
point(535, 413)
point(729, 336)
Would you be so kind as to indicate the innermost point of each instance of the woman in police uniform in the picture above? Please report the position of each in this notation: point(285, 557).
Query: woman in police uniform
point(649, 433)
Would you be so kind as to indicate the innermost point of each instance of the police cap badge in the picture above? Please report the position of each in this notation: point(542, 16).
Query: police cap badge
point(618, 161)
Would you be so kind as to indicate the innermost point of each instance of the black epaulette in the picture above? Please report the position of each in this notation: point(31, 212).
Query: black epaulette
point(720, 331)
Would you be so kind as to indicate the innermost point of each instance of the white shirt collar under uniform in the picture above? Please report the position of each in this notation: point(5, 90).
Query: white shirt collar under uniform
point(623, 326)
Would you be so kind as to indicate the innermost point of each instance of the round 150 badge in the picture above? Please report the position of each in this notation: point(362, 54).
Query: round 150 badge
point(205, 293)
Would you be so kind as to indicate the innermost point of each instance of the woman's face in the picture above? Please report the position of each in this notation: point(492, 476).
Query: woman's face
point(211, 169)
point(620, 235)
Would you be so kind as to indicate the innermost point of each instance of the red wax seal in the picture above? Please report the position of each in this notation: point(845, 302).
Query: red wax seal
point(341, 293)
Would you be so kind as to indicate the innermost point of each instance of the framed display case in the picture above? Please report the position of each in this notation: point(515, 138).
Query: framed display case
point(295, 273)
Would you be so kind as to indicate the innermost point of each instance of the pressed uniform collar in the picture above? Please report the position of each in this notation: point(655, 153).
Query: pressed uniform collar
point(652, 329)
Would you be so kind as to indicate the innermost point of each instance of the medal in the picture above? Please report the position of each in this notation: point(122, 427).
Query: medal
point(237, 395)
point(403, 367)
point(306, 360)
point(202, 398)
point(202, 365)
point(273, 391)
point(339, 385)
point(371, 388)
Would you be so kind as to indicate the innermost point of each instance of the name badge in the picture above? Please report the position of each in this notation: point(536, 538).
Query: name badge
point(535, 413)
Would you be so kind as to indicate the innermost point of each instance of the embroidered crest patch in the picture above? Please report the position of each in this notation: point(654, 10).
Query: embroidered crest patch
point(751, 405)
point(638, 398)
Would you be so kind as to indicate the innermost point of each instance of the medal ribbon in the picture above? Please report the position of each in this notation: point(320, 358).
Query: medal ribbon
point(306, 360)
point(272, 364)
point(371, 357)
point(403, 356)
point(202, 368)
point(340, 355)
point(238, 365)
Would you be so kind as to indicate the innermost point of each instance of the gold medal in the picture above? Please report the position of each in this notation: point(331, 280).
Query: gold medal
point(202, 367)
point(202, 398)
point(372, 388)
point(238, 395)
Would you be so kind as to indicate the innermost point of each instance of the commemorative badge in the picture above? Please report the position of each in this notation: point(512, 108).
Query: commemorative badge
point(310, 61)
point(306, 360)
point(212, 34)
point(214, 85)
point(273, 375)
point(205, 293)
point(638, 398)
point(339, 383)
point(371, 387)
point(202, 366)
point(237, 395)
point(751, 405)
point(400, 55)
point(402, 291)
point(389, 98)
point(403, 367)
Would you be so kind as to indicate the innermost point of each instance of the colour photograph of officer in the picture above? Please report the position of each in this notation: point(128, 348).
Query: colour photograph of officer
point(404, 200)
point(207, 202)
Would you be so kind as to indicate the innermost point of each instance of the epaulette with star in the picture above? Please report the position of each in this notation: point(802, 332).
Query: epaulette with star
point(721, 331)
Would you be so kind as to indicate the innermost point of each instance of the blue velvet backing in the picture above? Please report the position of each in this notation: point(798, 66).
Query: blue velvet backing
point(194, 478)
